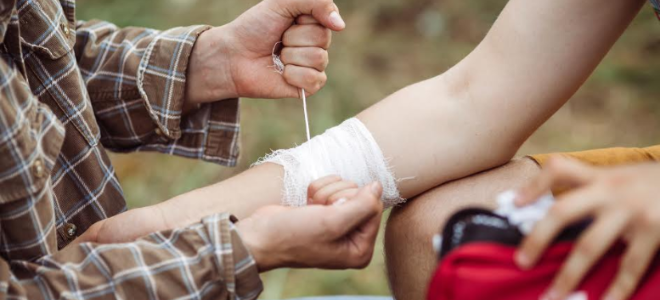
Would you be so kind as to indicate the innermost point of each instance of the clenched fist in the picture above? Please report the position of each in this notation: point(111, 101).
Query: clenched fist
point(235, 60)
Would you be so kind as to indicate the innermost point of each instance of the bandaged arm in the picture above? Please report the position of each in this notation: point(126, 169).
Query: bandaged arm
point(473, 117)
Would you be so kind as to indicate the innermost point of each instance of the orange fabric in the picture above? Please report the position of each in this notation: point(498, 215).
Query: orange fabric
point(607, 157)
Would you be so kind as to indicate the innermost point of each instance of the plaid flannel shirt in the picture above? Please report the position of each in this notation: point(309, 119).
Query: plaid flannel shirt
point(656, 7)
point(68, 91)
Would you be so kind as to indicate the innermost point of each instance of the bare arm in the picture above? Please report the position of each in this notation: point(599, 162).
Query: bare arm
point(476, 115)
point(473, 117)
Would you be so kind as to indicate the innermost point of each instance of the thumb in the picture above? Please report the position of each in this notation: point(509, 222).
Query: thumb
point(325, 11)
point(360, 208)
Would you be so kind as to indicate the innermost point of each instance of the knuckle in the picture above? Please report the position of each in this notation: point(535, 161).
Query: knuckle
point(586, 249)
point(648, 219)
point(321, 81)
point(319, 57)
point(617, 179)
point(334, 198)
point(375, 203)
point(566, 280)
point(554, 164)
point(311, 80)
point(631, 265)
point(532, 245)
point(320, 197)
point(625, 284)
point(363, 257)
point(559, 211)
point(313, 188)
point(326, 37)
point(286, 36)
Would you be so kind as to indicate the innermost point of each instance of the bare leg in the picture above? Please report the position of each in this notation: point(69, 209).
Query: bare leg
point(410, 256)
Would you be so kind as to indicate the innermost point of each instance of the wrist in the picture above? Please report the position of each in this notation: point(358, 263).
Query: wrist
point(265, 257)
point(208, 77)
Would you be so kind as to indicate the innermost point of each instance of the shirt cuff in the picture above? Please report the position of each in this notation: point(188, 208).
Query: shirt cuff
point(210, 133)
point(161, 76)
point(235, 262)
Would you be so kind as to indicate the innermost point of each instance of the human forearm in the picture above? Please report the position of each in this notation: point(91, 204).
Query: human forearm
point(476, 115)
point(240, 195)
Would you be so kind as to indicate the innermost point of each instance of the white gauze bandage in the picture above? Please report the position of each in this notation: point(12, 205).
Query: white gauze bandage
point(348, 150)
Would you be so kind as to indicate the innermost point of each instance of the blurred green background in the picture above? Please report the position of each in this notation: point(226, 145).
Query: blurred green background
point(388, 44)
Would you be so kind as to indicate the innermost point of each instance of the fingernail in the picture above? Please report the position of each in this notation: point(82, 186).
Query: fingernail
point(340, 201)
point(336, 20)
point(522, 260)
point(375, 187)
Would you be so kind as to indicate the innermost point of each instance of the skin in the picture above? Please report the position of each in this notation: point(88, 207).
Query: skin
point(478, 107)
point(478, 113)
point(409, 256)
point(334, 236)
point(623, 202)
point(232, 61)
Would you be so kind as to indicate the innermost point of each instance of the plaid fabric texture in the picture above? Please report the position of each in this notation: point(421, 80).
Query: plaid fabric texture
point(109, 88)
point(204, 261)
point(68, 91)
point(656, 6)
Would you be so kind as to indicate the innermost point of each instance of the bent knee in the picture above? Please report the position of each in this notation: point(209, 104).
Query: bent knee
point(410, 228)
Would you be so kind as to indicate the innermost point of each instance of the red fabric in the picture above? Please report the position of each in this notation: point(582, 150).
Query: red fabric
point(487, 271)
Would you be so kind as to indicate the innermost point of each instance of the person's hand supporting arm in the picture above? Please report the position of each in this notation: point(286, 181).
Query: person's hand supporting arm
point(624, 204)
point(217, 258)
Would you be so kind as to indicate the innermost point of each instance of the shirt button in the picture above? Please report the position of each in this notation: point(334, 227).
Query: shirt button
point(39, 169)
point(70, 230)
point(65, 28)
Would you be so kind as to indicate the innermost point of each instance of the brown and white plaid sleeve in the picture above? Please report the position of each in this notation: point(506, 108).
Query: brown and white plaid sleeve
point(30, 140)
point(203, 261)
point(136, 79)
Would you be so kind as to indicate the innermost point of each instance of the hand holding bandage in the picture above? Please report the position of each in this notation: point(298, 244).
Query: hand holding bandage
point(335, 236)
point(348, 151)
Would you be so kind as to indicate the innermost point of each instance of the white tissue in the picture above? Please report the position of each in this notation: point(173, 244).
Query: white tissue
point(523, 217)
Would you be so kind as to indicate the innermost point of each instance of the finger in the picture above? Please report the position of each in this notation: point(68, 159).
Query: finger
point(318, 184)
point(569, 209)
point(325, 11)
point(639, 254)
point(559, 171)
point(305, 78)
point(306, 20)
point(344, 194)
point(589, 248)
point(358, 210)
point(322, 196)
point(361, 242)
point(307, 36)
point(308, 57)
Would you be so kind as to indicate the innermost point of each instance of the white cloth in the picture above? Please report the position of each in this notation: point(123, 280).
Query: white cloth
point(523, 217)
point(348, 150)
